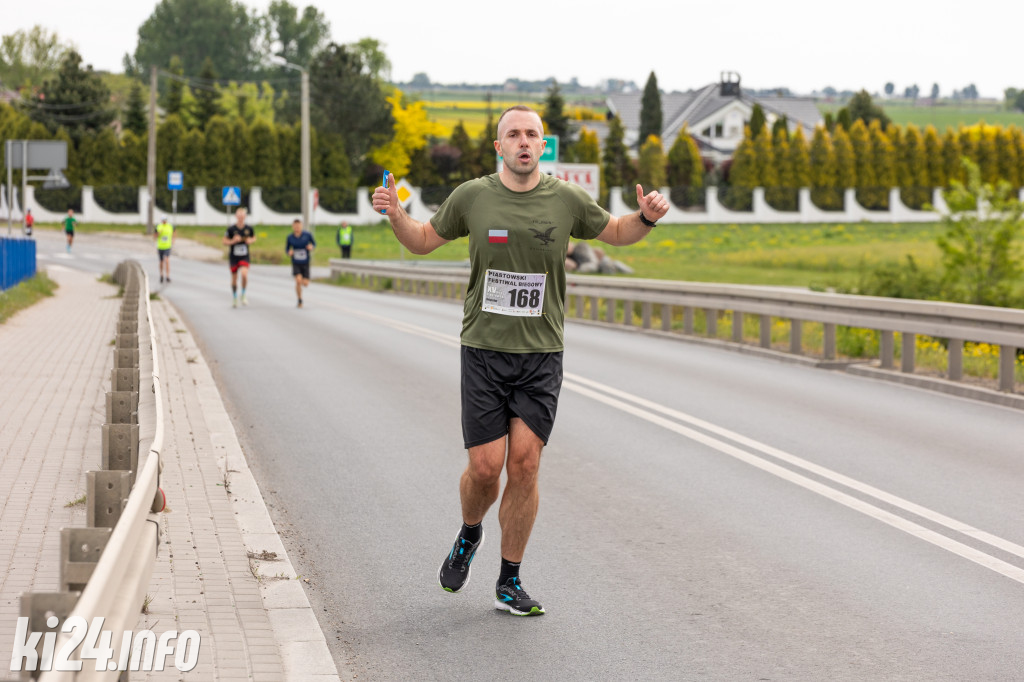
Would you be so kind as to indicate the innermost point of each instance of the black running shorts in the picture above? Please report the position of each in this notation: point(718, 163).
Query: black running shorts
point(300, 269)
point(497, 386)
point(163, 253)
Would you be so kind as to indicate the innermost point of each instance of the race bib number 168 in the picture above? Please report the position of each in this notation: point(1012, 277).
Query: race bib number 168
point(514, 293)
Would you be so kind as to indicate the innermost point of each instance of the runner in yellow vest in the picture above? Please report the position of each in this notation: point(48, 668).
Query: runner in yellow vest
point(344, 239)
point(164, 235)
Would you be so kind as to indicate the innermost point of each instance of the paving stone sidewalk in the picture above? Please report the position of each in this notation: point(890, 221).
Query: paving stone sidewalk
point(222, 569)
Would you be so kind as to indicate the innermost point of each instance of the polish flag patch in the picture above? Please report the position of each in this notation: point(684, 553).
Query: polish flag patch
point(497, 236)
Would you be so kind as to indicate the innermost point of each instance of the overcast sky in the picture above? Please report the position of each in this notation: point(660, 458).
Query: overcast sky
point(802, 44)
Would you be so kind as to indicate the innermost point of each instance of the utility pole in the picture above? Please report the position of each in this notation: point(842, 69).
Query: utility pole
point(306, 180)
point(304, 170)
point(151, 155)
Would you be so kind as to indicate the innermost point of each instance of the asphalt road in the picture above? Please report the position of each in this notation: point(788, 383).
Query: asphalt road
point(704, 514)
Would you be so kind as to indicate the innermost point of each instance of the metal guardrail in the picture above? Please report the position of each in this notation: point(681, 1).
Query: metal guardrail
point(614, 301)
point(106, 568)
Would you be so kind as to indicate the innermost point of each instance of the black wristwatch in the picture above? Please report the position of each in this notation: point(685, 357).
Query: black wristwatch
point(645, 221)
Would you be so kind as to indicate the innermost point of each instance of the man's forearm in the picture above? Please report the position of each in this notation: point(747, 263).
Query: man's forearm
point(630, 230)
point(409, 232)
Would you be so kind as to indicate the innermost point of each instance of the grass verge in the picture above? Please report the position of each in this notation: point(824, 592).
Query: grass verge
point(25, 294)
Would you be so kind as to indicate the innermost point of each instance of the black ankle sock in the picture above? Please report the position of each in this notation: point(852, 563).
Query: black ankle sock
point(472, 533)
point(508, 570)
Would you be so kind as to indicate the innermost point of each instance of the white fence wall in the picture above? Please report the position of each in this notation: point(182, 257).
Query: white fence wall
point(714, 212)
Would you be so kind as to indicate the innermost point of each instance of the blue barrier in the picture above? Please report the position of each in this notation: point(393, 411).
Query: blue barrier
point(17, 261)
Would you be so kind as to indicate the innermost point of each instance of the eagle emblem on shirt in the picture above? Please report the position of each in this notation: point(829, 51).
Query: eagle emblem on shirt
point(545, 236)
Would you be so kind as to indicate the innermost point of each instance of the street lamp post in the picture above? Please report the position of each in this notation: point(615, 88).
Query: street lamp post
point(305, 162)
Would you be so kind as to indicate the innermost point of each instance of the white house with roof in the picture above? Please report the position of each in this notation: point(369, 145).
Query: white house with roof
point(715, 115)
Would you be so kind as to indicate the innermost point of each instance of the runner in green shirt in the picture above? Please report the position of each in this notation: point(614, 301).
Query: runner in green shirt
point(164, 235)
point(69, 228)
point(518, 222)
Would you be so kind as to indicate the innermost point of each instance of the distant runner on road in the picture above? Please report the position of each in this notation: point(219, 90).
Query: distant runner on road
point(238, 238)
point(518, 222)
point(69, 228)
point(164, 235)
point(299, 245)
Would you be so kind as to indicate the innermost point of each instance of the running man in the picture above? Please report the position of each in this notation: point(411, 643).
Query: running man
point(69, 228)
point(239, 237)
point(518, 222)
point(164, 235)
point(299, 246)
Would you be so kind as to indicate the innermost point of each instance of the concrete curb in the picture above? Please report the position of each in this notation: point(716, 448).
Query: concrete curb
point(302, 644)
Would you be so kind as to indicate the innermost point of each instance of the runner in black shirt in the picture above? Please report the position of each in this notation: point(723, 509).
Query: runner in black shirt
point(238, 238)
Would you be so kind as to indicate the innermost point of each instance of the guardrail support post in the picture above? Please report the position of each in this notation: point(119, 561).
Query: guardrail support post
point(120, 448)
point(645, 313)
point(38, 607)
point(765, 329)
point(80, 550)
point(106, 492)
point(1007, 358)
point(955, 363)
point(829, 341)
point(688, 320)
point(886, 348)
point(908, 346)
point(796, 337)
point(711, 322)
point(122, 407)
point(666, 317)
point(627, 313)
point(609, 316)
point(737, 326)
point(594, 308)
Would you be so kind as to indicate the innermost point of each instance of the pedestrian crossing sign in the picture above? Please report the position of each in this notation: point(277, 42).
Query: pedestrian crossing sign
point(231, 196)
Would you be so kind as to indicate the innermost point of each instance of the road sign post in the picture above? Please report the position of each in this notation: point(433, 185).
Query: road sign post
point(175, 181)
point(230, 196)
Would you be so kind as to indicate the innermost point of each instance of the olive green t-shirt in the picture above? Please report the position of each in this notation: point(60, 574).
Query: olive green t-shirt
point(517, 247)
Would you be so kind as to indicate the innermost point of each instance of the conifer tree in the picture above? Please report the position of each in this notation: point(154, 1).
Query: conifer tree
point(172, 98)
point(781, 127)
point(217, 146)
point(783, 195)
point(799, 163)
point(846, 161)
point(555, 118)
point(193, 159)
point(952, 167)
point(823, 173)
point(986, 156)
point(743, 175)
point(588, 148)
point(135, 118)
point(685, 170)
point(650, 110)
point(863, 155)
point(915, 182)
point(882, 157)
point(1006, 155)
point(968, 144)
point(615, 157)
point(131, 159)
point(461, 141)
point(844, 120)
point(169, 137)
point(757, 121)
point(900, 171)
point(266, 160)
point(1018, 145)
point(767, 170)
point(206, 95)
point(241, 153)
point(289, 149)
point(651, 164)
point(933, 159)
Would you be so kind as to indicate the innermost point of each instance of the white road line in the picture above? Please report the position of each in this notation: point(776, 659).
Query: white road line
point(866, 508)
point(881, 495)
point(643, 409)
